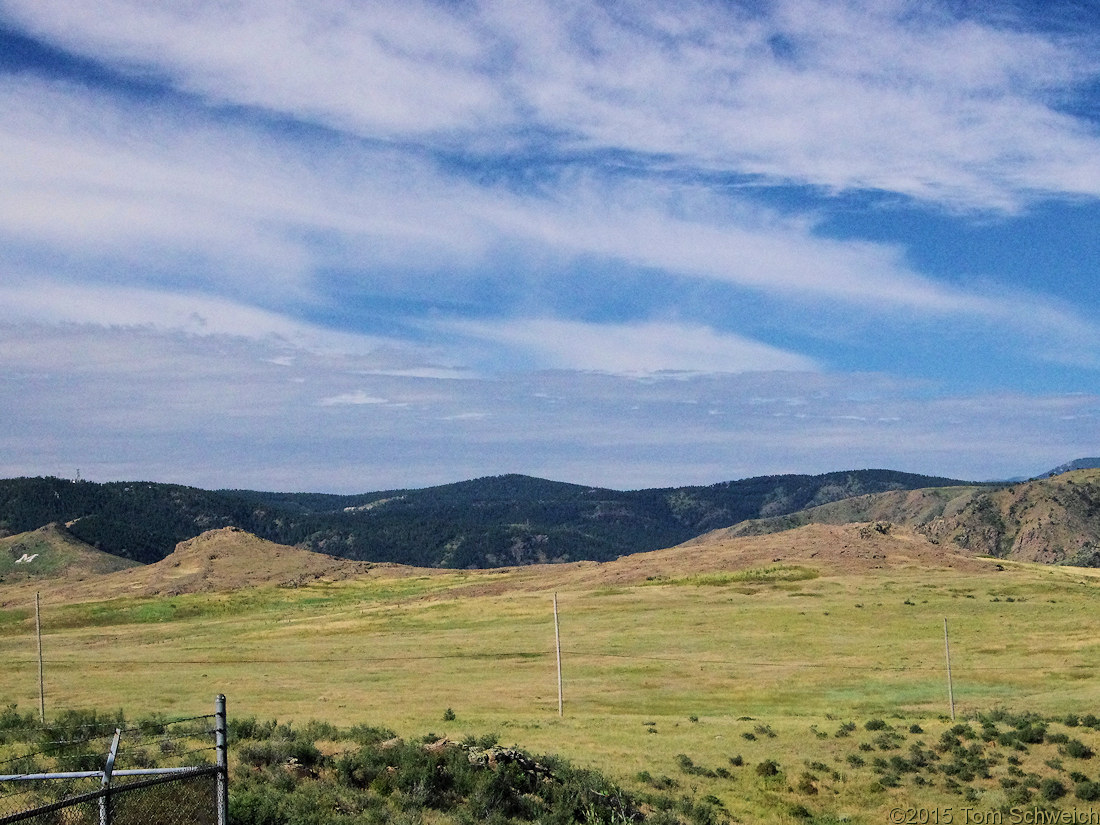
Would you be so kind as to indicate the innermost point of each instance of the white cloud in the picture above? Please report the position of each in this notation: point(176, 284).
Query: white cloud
point(356, 398)
point(897, 96)
point(634, 349)
point(39, 301)
point(188, 196)
point(158, 254)
point(371, 68)
point(112, 191)
point(214, 411)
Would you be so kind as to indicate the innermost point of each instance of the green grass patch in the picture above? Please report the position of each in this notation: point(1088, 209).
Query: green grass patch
point(772, 574)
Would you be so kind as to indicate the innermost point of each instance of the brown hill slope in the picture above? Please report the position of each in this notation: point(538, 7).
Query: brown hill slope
point(805, 552)
point(52, 552)
point(229, 559)
point(1052, 520)
point(216, 561)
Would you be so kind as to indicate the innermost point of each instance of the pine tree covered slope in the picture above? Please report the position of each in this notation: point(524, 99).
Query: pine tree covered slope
point(487, 522)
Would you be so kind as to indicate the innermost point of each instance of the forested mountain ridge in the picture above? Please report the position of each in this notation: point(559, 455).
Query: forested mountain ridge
point(487, 522)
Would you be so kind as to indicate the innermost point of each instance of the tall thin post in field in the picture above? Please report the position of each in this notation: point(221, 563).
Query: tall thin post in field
point(557, 644)
point(221, 747)
point(950, 687)
point(41, 681)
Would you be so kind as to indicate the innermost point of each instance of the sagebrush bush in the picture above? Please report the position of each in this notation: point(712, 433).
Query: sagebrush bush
point(1078, 749)
point(769, 767)
point(1051, 789)
point(1087, 791)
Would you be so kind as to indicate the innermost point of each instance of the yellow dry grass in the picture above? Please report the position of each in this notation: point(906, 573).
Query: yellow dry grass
point(799, 631)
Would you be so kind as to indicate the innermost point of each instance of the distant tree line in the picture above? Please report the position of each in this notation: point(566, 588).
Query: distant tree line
point(488, 522)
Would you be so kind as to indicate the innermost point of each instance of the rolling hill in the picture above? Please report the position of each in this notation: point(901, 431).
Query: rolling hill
point(52, 551)
point(487, 522)
point(218, 561)
point(1052, 520)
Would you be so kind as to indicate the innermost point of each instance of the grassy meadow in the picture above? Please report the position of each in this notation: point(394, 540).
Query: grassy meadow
point(685, 668)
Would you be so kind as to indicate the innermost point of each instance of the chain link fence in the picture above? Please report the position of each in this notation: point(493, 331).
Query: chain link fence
point(176, 799)
point(157, 772)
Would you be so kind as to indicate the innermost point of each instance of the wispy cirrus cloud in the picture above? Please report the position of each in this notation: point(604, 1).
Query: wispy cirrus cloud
point(624, 226)
point(634, 349)
point(222, 208)
point(38, 301)
point(854, 95)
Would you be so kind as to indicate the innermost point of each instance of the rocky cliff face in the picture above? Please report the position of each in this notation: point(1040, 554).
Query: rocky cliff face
point(1051, 520)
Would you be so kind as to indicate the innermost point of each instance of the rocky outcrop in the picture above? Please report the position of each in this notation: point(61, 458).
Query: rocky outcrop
point(1050, 520)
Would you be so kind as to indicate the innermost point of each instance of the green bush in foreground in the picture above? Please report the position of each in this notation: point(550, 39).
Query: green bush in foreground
point(285, 779)
point(317, 774)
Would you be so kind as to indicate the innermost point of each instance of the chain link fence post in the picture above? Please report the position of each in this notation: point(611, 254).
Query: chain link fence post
point(105, 800)
point(221, 745)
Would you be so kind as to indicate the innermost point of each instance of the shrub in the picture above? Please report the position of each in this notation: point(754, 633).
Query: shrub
point(448, 715)
point(367, 735)
point(1051, 789)
point(1078, 749)
point(875, 724)
point(887, 741)
point(256, 806)
point(899, 764)
point(315, 731)
point(1018, 796)
point(1031, 732)
point(11, 719)
point(1087, 791)
point(687, 766)
point(963, 731)
point(769, 767)
point(280, 751)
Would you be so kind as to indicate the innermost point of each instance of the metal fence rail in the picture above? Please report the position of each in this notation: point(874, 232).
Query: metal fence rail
point(186, 797)
point(165, 796)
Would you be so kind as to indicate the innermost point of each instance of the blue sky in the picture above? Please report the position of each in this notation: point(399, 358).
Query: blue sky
point(349, 246)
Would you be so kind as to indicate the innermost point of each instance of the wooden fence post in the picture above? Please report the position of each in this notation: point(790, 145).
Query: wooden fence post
point(557, 645)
